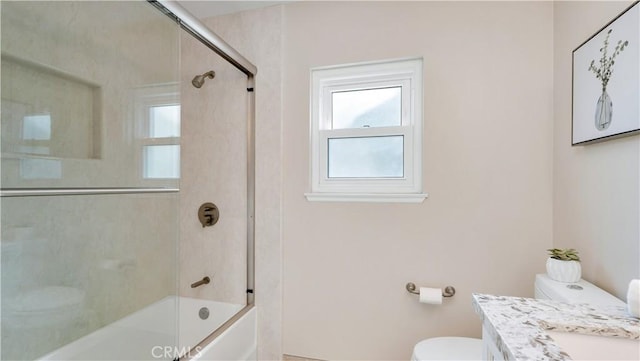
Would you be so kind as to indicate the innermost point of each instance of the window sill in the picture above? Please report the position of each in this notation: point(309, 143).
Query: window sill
point(366, 197)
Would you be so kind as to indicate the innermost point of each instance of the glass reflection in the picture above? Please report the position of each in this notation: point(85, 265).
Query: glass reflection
point(74, 265)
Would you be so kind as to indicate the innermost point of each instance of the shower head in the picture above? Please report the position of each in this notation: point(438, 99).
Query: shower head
point(199, 79)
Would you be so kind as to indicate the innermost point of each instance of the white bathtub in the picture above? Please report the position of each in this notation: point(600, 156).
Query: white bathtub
point(156, 333)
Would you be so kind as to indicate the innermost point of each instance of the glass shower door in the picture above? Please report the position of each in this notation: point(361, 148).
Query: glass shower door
point(89, 175)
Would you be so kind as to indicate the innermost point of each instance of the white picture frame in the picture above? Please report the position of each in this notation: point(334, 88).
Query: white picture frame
point(606, 81)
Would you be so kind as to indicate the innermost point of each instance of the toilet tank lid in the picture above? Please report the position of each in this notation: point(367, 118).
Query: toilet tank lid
point(578, 292)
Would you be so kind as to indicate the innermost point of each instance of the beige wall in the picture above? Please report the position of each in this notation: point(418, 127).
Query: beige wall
point(487, 168)
point(596, 187)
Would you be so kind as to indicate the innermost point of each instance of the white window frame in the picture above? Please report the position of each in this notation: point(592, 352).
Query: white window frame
point(404, 73)
point(147, 98)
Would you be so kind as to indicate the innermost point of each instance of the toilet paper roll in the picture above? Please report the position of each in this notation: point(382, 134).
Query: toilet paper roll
point(432, 296)
point(633, 298)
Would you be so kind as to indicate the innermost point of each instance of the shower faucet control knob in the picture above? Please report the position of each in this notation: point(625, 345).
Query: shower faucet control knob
point(208, 214)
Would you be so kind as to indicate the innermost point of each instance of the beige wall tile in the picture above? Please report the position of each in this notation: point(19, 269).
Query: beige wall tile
point(257, 35)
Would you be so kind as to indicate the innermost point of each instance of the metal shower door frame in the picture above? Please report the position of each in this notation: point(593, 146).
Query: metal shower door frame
point(197, 29)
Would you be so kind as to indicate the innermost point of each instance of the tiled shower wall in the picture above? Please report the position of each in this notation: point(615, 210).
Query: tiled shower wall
point(214, 160)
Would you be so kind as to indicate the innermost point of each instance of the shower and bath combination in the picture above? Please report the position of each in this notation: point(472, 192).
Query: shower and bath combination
point(67, 317)
point(198, 81)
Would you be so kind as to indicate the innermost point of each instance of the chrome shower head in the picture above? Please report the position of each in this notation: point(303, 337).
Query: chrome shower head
point(199, 79)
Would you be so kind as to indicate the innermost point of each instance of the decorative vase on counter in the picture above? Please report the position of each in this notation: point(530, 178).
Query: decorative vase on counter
point(564, 271)
point(633, 298)
point(563, 265)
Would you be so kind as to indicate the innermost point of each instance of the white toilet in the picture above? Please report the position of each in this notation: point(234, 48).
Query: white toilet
point(52, 307)
point(465, 348)
point(448, 348)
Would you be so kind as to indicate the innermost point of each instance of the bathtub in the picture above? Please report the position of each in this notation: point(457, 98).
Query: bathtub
point(156, 333)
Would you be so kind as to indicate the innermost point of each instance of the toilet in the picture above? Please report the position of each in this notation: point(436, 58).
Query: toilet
point(579, 292)
point(448, 348)
point(465, 348)
point(51, 306)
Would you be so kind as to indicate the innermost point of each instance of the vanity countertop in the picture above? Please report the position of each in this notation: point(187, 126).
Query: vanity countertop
point(518, 325)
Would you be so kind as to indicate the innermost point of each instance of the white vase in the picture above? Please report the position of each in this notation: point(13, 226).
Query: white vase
point(564, 271)
point(633, 298)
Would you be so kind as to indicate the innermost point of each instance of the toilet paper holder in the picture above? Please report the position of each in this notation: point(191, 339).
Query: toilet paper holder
point(448, 291)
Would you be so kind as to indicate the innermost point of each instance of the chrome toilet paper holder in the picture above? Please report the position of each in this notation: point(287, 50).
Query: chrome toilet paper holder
point(448, 291)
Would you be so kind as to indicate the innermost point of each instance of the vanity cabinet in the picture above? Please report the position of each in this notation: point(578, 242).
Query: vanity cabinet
point(490, 349)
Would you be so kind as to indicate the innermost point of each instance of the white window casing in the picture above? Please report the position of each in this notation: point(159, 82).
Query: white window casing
point(164, 148)
point(405, 74)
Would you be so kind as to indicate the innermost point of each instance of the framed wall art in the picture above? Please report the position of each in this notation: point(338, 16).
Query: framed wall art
point(606, 81)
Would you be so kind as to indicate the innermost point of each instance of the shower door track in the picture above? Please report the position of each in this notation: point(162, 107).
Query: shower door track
point(200, 31)
point(39, 192)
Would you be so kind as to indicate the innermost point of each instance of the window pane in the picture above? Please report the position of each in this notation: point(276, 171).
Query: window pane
point(36, 127)
point(162, 161)
point(366, 157)
point(367, 108)
point(34, 168)
point(164, 121)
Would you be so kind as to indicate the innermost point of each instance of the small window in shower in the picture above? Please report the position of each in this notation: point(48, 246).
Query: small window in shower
point(36, 134)
point(164, 121)
point(161, 158)
point(162, 161)
point(36, 127)
point(159, 128)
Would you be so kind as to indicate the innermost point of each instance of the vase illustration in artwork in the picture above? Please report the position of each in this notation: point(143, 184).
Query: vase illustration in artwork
point(604, 106)
point(604, 111)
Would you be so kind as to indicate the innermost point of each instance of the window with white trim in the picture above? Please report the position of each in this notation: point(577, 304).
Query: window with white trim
point(366, 132)
point(161, 151)
point(158, 113)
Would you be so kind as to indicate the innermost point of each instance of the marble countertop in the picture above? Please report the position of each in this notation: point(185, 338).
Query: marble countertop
point(518, 325)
